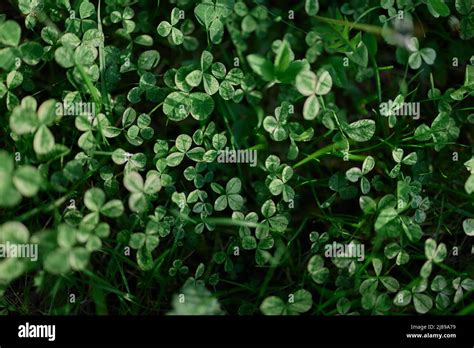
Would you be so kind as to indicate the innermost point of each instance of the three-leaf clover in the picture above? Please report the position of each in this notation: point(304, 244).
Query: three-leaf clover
point(94, 200)
point(354, 174)
point(391, 223)
point(125, 17)
point(15, 183)
point(90, 230)
point(166, 28)
point(422, 302)
point(90, 124)
point(299, 302)
point(460, 286)
point(133, 161)
point(261, 242)
point(421, 205)
point(443, 130)
point(252, 20)
point(435, 254)
point(277, 125)
point(141, 190)
point(200, 174)
point(146, 86)
point(178, 105)
point(31, 9)
point(11, 57)
point(146, 242)
point(279, 185)
point(148, 239)
point(277, 222)
point(13, 267)
point(261, 246)
point(25, 120)
point(369, 286)
point(316, 269)
point(211, 14)
point(14, 80)
point(68, 256)
point(136, 133)
point(395, 251)
point(183, 145)
point(248, 221)
point(195, 77)
point(178, 267)
point(398, 157)
point(312, 85)
point(440, 285)
point(318, 240)
point(428, 55)
point(210, 79)
point(73, 51)
point(230, 196)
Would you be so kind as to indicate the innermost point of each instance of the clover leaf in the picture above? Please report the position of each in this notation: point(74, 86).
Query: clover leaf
point(68, 256)
point(25, 119)
point(422, 302)
point(435, 254)
point(440, 285)
point(178, 267)
point(460, 286)
point(428, 55)
point(200, 301)
point(369, 285)
point(244, 229)
point(394, 250)
point(399, 158)
point(141, 190)
point(183, 146)
point(299, 302)
point(277, 125)
point(316, 269)
point(15, 183)
point(230, 196)
point(272, 220)
point(355, 174)
point(167, 29)
point(279, 185)
point(318, 240)
point(178, 105)
point(211, 14)
point(443, 130)
point(133, 161)
point(361, 130)
point(13, 267)
point(312, 85)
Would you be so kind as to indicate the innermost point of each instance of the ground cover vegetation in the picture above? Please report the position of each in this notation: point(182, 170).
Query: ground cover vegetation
point(236, 157)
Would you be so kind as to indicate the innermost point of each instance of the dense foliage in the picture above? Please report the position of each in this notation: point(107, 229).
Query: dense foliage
point(215, 156)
